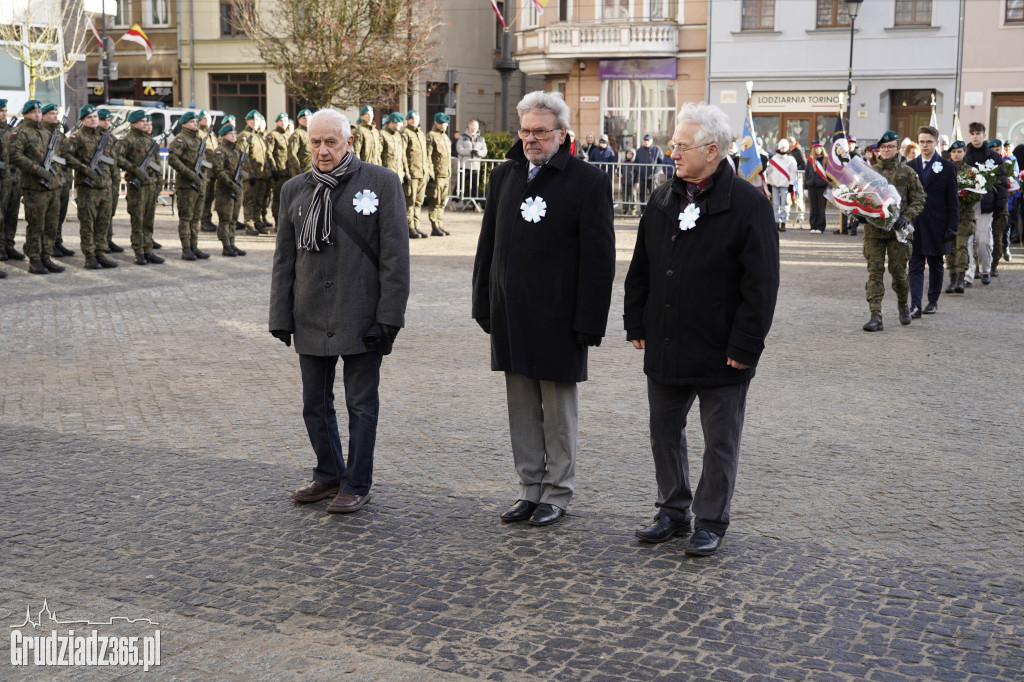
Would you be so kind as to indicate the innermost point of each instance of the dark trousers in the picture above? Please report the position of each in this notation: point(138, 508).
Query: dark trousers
point(816, 198)
point(916, 275)
point(721, 417)
point(361, 376)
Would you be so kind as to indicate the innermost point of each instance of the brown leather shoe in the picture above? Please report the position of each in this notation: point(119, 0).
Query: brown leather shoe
point(314, 492)
point(346, 503)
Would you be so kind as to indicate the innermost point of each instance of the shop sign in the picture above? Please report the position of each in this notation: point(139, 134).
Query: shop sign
point(770, 102)
point(636, 69)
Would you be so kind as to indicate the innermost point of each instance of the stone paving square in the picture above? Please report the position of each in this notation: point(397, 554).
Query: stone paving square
point(150, 431)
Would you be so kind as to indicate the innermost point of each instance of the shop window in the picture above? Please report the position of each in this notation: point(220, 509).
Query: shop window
point(832, 14)
point(757, 15)
point(156, 13)
point(123, 16)
point(1014, 11)
point(1008, 117)
point(238, 94)
point(633, 108)
point(913, 12)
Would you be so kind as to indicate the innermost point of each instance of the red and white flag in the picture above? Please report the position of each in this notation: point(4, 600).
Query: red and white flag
point(136, 35)
point(494, 6)
point(92, 27)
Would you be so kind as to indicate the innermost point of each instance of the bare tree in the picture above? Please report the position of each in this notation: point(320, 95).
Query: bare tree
point(31, 32)
point(343, 52)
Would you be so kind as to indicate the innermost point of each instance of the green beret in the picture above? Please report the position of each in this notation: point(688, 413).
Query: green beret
point(252, 114)
point(202, 113)
point(225, 129)
point(888, 136)
point(229, 118)
point(394, 117)
point(364, 109)
point(957, 144)
point(992, 144)
point(186, 117)
point(304, 112)
point(441, 117)
point(136, 116)
point(31, 105)
point(47, 108)
point(280, 116)
point(3, 103)
point(412, 112)
point(104, 114)
point(86, 110)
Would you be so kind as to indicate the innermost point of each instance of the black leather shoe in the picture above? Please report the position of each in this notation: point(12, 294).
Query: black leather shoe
point(703, 543)
point(546, 514)
point(520, 511)
point(153, 258)
point(664, 528)
point(114, 248)
point(915, 312)
point(930, 309)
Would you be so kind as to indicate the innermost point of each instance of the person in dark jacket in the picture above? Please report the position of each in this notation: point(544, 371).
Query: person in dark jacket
point(648, 157)
point(937, 224)
point(815, 184)
point(991, 203)
point(542, 285)
point(340, 283)
point(602, 153)
point(699, 300)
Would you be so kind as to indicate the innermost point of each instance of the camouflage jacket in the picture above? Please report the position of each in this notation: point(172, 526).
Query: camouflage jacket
point(277, 151)
point(367, 144)
point(29, 143)
point(256, 160)
point(182, 156)
point(416, 160)
point(211, 148)
point(132, 150)
point(392, 154)
point(79, 149)
point(225, 162)
point(9, 169)
point(439, 151)
point(300, 153)
point(912, 195)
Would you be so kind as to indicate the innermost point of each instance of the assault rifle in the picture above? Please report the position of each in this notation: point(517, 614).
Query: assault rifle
point(52, 157)
point(100, 157)
point(201, 165)
point(147, 165)
point(239, 173)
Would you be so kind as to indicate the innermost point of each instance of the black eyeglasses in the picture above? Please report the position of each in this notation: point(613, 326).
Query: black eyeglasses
point(538, 133)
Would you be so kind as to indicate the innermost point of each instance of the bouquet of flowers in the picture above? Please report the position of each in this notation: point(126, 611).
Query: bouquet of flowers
point(970, 185)
point(860, 191)
point(990, 172)
point(1012, 176)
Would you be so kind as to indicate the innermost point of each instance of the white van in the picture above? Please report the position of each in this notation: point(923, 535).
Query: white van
point(164, 118)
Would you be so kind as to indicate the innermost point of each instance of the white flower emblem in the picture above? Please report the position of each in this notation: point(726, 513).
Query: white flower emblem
point(688, 218)
point(937, 167)
point(366, 202)
point(534, 208)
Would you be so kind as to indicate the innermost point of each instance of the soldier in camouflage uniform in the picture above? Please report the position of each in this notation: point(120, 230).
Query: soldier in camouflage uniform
point(10, 191)
point(878, 242)
point(392, 153)
point(300, 154)
point(143, 186)
point(230, 118)
point(182, 156)
point(51, 120)
point(1000, 219)
point(92, 186)
point(225, 164)
point(277, 156)
point(418, 168)
point(367, 142)
point(958, 261)
point(40, 188)
point(115, 181)
point(259, 173)
point(209, 190)
point(439, 153)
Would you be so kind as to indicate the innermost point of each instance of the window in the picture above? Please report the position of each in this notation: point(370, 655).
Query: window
point(832, 14)
point(1014, 11)
point(12, 73)
point(123, 17)
point(230, 18)
point(564, 10)
point(660, 10)
point(1008, 117)
point(757, 15)
point(156, 13)
point(613, 10)
point(238, 94)
point(530, 15)
point(633, 108)
point(913, 12)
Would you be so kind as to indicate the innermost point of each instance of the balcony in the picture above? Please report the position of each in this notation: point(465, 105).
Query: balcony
point(618, 39)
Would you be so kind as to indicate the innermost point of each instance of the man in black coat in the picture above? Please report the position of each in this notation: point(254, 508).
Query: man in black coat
point(700, 297)
point(542, 284)
point(937, 224)
point(993, 201)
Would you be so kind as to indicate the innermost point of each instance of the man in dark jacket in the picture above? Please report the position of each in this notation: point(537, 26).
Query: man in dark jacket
point(542, 285)
point(937, 224)
point(991, 203)
point(340, 284)
point(647, 158)
point(701, 288)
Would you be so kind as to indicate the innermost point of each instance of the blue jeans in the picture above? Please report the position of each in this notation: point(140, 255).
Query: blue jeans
point(361, 376)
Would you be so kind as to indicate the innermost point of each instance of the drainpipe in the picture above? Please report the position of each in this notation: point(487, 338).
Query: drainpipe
point(707, 60)
point(192, 54)
point(177, 39)
point(959, 59)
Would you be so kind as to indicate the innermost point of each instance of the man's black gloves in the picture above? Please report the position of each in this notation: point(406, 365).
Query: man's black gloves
point(584, 340)
point(485, 324)
point(284, 336)
point(381, 338)
point(899, 224)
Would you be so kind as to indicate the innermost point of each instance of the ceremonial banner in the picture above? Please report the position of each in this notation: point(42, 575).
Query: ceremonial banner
point(136, 35)
point(750, 159)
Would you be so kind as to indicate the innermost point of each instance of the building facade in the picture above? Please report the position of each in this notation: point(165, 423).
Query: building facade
point(993, 68)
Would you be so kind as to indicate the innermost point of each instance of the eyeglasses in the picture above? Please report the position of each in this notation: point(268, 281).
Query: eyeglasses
point(674, 147)
point(538, 133)
point(889, 147)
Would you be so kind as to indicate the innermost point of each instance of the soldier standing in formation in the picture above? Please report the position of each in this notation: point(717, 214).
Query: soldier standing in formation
point(439, 154)
point(958, 259)
point(115, 181)
point(277, 156)
point(229, 191)
point(418, 171)
point(207, 133)
point(240, 199)
point(367, 143)
point(92, 186)
point(142, 182)
point(300, 154)
point(183, 156)
point(40, 188)
point(256, 166)
point(51, 120)
point(392, 152)
point(10, 191)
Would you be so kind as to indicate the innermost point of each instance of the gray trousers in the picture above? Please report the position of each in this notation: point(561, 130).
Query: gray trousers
point(542, 419)
point(721, 419)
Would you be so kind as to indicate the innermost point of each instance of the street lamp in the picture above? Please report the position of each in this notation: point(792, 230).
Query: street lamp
point(852, 8)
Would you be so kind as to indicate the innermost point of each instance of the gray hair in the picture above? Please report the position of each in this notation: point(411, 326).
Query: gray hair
point(334, 118)
point(540, 100)
point(712, 125)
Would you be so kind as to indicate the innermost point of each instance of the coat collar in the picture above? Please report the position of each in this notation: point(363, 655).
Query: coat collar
point(715, 198)
point(354, 166)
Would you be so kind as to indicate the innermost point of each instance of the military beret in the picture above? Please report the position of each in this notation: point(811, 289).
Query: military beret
point(136, 116)
point(363, 109)
point(252, 114)
point(441, 117)
point(260, 116)
point(992, 144)
point(957, 144)
point(103, 114)
point(229, 117)
point(31, 105)
point(281, 115)
point(186, 117)
point(888, 136)
point(412, 112)
point(86, 110)
point(395, 117)
point(304, 112)
point(47, 108)
point(3, 103)
point(225, 129)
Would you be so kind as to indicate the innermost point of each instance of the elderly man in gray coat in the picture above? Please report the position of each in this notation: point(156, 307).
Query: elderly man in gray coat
point(340, 285)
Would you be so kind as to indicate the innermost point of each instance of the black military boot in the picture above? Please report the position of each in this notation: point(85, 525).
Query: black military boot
point(59, 251)
point(227, 250)
point(238, 251)
point(208, 226)
point(157, 246)
point(904, 309)
point(415, 234)
point(992, 271)
point(50, 265)
point(104, 261)
point(782, 226)
point(114, 248)
point(3, 274)
point(875, 323)
point(154, 259)
point(186, 253)
point(251, 231)
point(200, 254)
point(3, 255)
point(958, 288)
point(36, 267)
point(14, 254)
point(140, 259)
point(91, 263)
point(951, 287)
point(261, 229)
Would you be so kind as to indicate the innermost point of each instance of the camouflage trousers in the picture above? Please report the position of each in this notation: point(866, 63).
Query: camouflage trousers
point(65, 200)
point(10, 204)
point(957, 260)
point(41, 212)
point(1000, 223)
point(875, 251)
point(415, 191)
point(255, 200)
point(93, 219)
point(227, 210)
point(141, 203)
point(206, 215)
point(188, 206)
point(436, 199)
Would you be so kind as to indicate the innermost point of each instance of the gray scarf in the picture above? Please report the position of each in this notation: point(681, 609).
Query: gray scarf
point(320, 210)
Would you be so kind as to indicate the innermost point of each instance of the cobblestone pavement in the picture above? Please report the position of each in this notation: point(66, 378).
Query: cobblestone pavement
point(150, 429)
